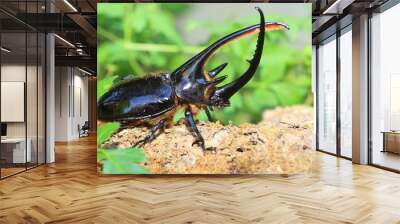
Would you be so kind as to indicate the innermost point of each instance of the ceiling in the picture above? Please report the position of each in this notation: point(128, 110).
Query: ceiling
point(332, 15)
point(74, 21)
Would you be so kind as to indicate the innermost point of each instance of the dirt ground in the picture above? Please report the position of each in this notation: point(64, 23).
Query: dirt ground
point(280, 144)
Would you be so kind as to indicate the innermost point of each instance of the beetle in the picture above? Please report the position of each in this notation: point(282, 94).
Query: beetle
point(154, 99)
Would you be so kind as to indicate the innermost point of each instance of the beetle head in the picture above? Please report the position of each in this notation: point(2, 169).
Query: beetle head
point(194, 85)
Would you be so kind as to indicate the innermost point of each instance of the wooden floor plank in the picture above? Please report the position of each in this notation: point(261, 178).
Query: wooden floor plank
point(70, 191)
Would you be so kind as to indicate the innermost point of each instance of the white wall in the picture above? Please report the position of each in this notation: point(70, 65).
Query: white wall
point(61, 103)
point(71, 93)
point(80, 108)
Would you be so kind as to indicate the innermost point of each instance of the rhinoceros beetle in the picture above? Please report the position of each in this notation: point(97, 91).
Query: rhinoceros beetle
point(154, 99)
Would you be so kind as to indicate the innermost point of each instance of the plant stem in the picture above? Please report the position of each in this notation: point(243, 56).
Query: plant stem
point(166, 48)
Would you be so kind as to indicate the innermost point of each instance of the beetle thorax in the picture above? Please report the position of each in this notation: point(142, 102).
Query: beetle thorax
point(194, 91)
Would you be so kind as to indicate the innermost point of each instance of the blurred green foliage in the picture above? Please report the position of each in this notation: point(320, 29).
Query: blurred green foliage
point(140, 39)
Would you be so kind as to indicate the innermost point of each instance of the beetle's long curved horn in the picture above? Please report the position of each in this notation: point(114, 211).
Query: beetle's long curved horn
point(195, 65)
point(229, 89)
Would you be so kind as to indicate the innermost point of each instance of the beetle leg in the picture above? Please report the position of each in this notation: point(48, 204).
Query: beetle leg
point(208, 113)
point(199, 139)
point(149, 137)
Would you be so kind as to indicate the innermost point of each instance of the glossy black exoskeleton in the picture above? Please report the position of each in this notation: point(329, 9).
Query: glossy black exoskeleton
point(154, 99)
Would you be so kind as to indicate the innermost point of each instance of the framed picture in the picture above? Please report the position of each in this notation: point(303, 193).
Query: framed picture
point(195, 88)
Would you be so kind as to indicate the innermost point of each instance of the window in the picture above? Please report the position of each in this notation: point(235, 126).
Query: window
point(327, 95)
point(385, 89)
point(346, 92)
point(22, 101)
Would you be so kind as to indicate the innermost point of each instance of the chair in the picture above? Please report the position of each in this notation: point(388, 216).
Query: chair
point(84, 130)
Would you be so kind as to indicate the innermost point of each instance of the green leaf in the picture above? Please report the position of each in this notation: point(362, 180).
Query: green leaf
point(175, 7)
point(137, 169)
point(133, 155)
point(273, 69)
point(104, 85)
point(192, 25)
point(113, 52)
point(202, 116)
point(179, 115)
point(105, 131)
point(110, 168)
point(111, 10)
point(101, 154)
point(122, 161)
point(289, 94)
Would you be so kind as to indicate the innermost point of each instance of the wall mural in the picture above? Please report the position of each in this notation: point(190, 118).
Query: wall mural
point(204, 88)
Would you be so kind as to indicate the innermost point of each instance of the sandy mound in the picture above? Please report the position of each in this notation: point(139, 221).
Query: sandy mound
point(281, 143)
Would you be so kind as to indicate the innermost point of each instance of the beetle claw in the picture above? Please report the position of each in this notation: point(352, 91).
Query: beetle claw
point(152, 135)
point(199, 142)
point(139, 143)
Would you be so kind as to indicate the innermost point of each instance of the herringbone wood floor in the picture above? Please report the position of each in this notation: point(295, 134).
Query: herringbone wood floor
point(70, 191)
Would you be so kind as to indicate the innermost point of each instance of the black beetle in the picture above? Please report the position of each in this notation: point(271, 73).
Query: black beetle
point(154, 99)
